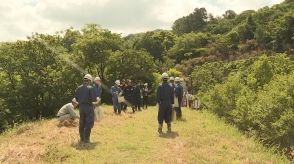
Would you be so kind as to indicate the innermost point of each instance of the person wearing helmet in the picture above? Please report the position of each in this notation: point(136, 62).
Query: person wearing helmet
point(128, 93)
point(98, 92)
point(66, 114)
point(172, 81)
point(165, 100)
point(115, 92)
point(137, 96)
point(85, 97)
point(123, 86)
point(172, 84)
point(145, 91)
point(179, 97)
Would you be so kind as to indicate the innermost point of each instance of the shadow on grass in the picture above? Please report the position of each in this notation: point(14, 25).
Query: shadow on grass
point(85, 146)
point(171, 135)
point(182, 120)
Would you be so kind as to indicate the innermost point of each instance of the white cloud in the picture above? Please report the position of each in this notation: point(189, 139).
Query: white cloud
point(20, 18)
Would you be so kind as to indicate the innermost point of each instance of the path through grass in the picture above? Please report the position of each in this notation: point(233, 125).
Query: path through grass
point(132, 138)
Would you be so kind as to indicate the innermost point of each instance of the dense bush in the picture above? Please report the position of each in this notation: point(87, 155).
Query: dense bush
point(257, 96)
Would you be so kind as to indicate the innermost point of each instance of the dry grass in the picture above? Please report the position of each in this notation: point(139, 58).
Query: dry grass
point(132, 138)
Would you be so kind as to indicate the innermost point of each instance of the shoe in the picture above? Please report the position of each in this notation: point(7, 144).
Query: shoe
point(169, 128)
point(160, 130)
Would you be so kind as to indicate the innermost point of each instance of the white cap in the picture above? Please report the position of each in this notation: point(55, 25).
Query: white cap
point(146, 84)
point(171, 79)
point(74, 101)
point(117, 82)
point(177, 79)
point(88, 77)
point(164, 76)
point(97, 79)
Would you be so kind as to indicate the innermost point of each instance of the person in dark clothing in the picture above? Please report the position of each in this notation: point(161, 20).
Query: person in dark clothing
point(85, 97)
point(123, 88)
point(145, 92)
point(137, 97)
point(128, 93)
point(179, 95)
point(165, 100)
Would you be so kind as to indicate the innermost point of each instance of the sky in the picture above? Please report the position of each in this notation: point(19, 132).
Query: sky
point(20, 18)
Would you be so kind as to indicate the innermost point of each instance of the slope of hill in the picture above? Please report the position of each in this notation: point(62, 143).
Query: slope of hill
point(132, 138)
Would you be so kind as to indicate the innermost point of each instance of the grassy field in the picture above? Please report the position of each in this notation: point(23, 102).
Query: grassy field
point(132, 138)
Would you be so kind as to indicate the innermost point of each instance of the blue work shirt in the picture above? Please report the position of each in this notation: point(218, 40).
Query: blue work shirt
point(85, 96)
point(165, 94)
point(179, 92)
point(97, 90)
point(115, 91)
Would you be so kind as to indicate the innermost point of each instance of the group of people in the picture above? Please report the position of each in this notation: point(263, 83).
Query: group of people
point(87, 98)
point(128, 93)
point(169, 97)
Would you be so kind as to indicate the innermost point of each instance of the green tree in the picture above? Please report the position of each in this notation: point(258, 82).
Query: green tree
point(188, 46)
point(194, 22)
point(248, 29)
point(94, 48)
point(229, 14)
point(156, 43)
point(130, 64)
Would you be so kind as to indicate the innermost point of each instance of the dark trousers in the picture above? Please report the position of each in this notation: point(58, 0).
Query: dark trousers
point(137, 107)
point(164, 113)
point(123, 106)
point(86, 122)
point(129, 102)
point(178, 112)
point(137, 103)
point(145, 102)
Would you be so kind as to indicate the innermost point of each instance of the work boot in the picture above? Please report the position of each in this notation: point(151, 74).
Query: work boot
point(160, 129)
point(169, 128)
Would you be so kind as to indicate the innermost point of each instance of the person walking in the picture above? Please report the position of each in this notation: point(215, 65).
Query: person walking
point(179, 97)
point(165, 100)
point(129, 91)
point(115, 92)
point(123, 88)
point(145, 95)
point(98, 92)
point(137, 97)
point(85, 97)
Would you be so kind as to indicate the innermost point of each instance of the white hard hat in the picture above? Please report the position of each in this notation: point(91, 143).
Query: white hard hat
point(74, 101)
point(146, 84)
point(177, 79)
point(88, 77)
point(164, 76)
point(117, 82)
point(97, 79)
point(171, 79)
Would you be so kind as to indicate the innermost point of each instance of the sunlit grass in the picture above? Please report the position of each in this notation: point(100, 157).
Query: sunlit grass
point(132, 138)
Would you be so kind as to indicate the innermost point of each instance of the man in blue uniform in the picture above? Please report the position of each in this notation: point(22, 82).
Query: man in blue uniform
point(165, 99)
point(115, 92)
point(179, 96)
point(85, 97)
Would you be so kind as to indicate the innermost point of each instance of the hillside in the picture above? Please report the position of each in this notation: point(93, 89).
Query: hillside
point(132, 138)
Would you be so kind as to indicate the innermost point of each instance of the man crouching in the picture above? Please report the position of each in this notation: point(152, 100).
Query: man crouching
point(66, 114)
